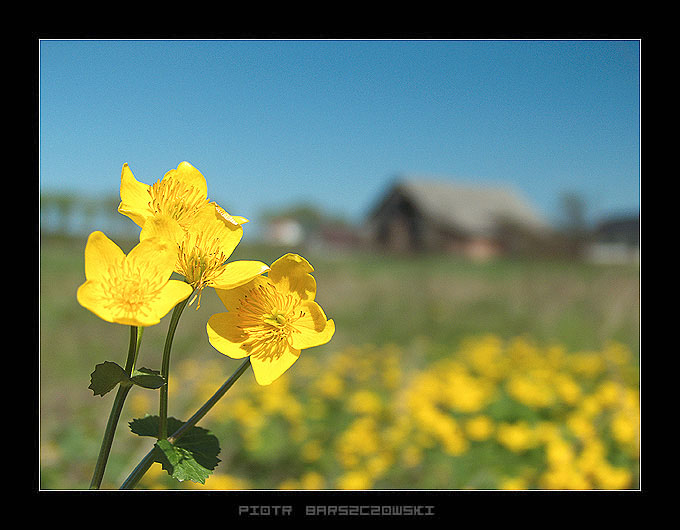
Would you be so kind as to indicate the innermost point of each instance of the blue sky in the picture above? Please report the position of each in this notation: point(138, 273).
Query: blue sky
point(274, 122)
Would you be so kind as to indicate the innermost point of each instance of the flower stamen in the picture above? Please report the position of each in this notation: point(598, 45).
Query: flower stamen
point(174, 198)
point(128, 290)
point(201, 260)
point(267, 318)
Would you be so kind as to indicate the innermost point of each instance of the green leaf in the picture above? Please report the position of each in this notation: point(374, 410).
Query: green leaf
point(105, 377)
point(180, 463)
point(149, 425)
point(192, 457)
point(147, 378)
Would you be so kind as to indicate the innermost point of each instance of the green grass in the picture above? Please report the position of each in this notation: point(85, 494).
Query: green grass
point(427, 302)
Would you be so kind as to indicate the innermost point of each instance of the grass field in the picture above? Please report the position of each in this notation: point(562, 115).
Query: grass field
point(443, 374)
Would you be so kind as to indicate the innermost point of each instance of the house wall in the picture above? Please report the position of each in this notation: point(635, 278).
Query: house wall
point(481, 249)
point(398, 227)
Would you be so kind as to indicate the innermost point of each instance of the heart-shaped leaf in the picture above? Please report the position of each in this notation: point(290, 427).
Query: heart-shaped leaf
point(105, 377)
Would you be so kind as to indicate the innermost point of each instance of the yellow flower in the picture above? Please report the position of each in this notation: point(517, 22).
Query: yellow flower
point(136, 289)
point(559, 452)
point(517, 437)
point(289, 484)
point(361, 438)
point(624, 427)
point(463, 392)
point(271, 319)
point(514, 483)
point(355, 480)
point(609, 393)
point(312, 481)
point(581, 426)
point(365, 402)
point(329, 385)
point(180, 195)
point(564, 477)
point(204, 247)
point(592, 455)
point(485, 355)
point(220, 481)
point(153, 478)
point(177, 209)
point(479, 428)
point(531, 389)
point(567, 389)
point(612, 478)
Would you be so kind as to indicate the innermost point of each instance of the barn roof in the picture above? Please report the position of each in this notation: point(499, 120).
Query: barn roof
point(474, 209)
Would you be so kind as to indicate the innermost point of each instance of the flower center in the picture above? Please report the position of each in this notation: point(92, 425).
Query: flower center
point(275, 318)
point(267, 317)
point(176, 199)
point(200, 259)
point(128, 290)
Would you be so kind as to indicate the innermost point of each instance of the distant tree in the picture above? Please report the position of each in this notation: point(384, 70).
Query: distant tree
point(573, 209)
point(308, 215)
point(573, 223)
point(61, 206)
point(58, 211)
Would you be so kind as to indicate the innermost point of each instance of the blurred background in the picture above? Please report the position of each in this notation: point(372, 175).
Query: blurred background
point(471, 209)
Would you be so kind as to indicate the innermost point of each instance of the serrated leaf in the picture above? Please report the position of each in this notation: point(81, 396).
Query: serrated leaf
point(203, 445)
point(148, 425)
point(192, 457)
point(105, 377)
point(180, 463)
point(147, 378)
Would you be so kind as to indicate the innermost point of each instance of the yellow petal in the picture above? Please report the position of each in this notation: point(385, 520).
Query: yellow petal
point(171, 294)
point(231, 298)
point(134, 197)
point(225, 335)
point(231, 219)
point(190, 176)
point(156, 256)
point(238, 273)
point(100, 254)
point(140, 320)
point(267, 371)
point(211, 223)
point(312, 329)
point(90, 295)
point(164, 227)
point(291, 273)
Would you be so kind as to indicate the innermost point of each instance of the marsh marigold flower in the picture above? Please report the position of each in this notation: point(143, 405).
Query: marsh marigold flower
point(271, 319)
point(203, 248)
point(180, 195)
point(176, 208)
point(135, 289)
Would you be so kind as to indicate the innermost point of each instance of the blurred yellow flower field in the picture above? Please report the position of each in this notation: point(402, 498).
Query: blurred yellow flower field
point(492, 414)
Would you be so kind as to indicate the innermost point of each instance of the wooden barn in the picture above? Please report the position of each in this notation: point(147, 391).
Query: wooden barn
point(422, 215)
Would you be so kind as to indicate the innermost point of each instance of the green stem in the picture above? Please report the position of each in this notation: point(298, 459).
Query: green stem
point(165, 368)
point(205, 408)
point(149, 459)
point(116, 409)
